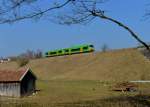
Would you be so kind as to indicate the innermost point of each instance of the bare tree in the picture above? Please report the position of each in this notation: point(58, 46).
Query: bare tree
point(70, 12)
point(84, 11)
point(38, 54)
point(15, 10)
point(104, 48)
point(30, 54)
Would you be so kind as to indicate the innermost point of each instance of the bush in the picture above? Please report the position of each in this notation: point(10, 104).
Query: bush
point(22, 61)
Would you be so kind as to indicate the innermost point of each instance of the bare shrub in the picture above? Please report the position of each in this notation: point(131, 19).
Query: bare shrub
point(38, 54)
point(104, 48)
point(22, 61)
point(30, 54)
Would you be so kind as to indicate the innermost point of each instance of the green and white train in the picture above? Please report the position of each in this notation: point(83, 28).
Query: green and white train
point(69, 51)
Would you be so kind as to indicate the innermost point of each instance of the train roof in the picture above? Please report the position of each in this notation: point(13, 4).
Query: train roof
point(77, 46)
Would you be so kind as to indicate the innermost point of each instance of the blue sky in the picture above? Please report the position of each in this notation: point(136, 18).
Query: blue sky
point(44, 35)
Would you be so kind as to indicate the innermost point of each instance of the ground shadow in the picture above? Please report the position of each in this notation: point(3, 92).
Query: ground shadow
point(120, 101)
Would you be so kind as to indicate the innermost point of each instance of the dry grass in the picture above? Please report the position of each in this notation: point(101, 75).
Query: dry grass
point(119, 65)
point(73, 80)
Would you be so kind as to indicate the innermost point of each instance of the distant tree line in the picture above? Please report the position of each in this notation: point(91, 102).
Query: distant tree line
point(24, 58)
point(30, 54)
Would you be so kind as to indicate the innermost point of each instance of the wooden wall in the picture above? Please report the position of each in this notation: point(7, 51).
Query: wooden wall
point(17, 89)
point(10, 89)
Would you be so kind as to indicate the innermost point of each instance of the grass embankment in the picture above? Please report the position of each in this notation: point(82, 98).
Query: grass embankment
point(85, 79)
point(119, 65)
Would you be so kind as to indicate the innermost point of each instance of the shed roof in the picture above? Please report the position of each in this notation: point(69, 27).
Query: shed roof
point(13, 76)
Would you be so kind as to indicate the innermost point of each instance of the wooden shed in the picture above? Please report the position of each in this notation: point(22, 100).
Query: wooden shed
point(17, 83)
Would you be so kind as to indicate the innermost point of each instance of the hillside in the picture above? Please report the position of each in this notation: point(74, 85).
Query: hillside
point(124, 64)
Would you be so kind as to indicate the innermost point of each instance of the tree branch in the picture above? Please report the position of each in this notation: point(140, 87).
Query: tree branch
point(102, 16)
point(29, 16)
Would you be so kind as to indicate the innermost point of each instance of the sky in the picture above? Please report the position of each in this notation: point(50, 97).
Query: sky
point(45, 35)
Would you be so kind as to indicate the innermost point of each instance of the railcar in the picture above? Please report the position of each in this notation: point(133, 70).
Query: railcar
point(69, 51)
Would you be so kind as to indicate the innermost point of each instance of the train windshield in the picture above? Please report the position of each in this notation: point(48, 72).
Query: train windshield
point(91, 46)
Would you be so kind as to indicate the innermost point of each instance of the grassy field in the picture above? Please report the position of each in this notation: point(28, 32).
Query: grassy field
point(75, 94)
point(80, 94)
point(86, 80)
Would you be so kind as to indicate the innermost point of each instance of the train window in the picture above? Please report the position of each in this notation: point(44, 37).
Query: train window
point(60, 51)
point(77, 49)
point(66, 50)
point(85, 48)
point(52, 53)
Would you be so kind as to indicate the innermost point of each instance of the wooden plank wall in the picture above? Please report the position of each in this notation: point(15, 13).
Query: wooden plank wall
point(10, 89)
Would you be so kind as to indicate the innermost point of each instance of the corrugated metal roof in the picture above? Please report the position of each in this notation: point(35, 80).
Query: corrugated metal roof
point(13, 76)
